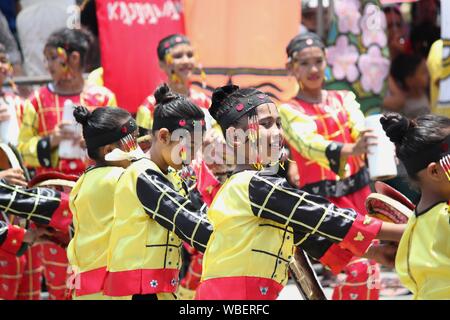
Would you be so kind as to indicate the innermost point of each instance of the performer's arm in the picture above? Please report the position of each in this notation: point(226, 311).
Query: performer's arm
point(41, 205)
point(300, 131)
point(172, 211)
point(328, 253)
point(356, 119)
point(35, 149)
point(273, 198)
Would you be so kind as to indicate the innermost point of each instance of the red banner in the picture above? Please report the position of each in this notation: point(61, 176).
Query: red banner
point(129, 33)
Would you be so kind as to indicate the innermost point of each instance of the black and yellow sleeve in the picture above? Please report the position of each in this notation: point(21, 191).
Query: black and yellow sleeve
point(271, 197)
point(172, 211)
point(41, 205)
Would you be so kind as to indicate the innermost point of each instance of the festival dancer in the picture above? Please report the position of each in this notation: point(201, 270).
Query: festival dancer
point(258, 217)
point(326, 133)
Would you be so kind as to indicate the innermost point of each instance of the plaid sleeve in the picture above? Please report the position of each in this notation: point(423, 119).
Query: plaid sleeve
point(172, 211)
point(271, 197)
point(301, 133)
point(41, 205)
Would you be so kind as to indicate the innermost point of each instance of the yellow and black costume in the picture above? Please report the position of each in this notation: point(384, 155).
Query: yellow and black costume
point(152, 218)
point(254, 235)
point(423, 256)
point(41, 205)
point(258, 218)
point(92, 205)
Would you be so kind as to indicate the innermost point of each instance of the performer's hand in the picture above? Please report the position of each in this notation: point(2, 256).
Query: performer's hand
point(366, 139)
point(4, 114)
point(384, 254)
point(14, 177)
point(63, 131)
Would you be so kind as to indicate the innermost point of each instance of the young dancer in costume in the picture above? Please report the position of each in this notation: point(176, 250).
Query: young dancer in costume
point(423, 256)
point(177, 59)
point(43, 128)
point(326, 133)
point(258, 217)
point(110, 135)
point(151, 215)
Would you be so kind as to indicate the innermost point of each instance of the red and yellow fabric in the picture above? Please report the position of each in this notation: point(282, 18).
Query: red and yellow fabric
point(54, 261)
point(92, 205)
point(254, 235)
point(423, 257)
point(316, 134)
point(144, 116)
point(360, 281)
point(31, 280)
point(43, 111)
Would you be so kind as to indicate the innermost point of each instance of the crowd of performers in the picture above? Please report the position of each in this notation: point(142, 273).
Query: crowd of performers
point(140, 223)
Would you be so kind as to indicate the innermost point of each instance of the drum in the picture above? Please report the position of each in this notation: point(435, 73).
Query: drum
point(389, 205)
point(63, 183)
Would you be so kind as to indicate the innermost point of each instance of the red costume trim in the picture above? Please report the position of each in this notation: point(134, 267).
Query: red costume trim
point(89, 282)
point(360, 235)
point(336, 258)
point(147, 281)
point(62, 217)
point(238, 288)
point(14, 239)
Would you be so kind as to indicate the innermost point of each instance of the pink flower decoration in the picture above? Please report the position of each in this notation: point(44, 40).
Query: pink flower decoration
point(182, 123)
point(374, 70)
point(342, 57)
point(348, 14)
point(166, 45)
point(239, 107)
point(373, 25)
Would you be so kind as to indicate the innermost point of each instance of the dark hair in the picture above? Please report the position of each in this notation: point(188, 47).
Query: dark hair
point(100, 121)
point(72, 40)
point(171, 105)
point(302, 41)
point(414, 137)
point(225, 98)
point(404, 66)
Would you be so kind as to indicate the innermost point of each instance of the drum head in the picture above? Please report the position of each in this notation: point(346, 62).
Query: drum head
point(390, 192)
point(387, 209)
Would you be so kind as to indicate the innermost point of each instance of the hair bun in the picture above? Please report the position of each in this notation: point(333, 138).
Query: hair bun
point(81, 114)
point(222, 93)
point(164, 95)
point(396, 126)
